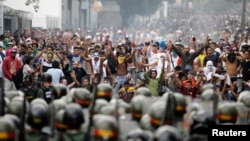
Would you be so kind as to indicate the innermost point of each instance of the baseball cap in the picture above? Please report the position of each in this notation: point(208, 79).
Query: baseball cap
point(1, 44)
point(138, 47)
point(88, 37)
point(10, 43)
point(13, 50)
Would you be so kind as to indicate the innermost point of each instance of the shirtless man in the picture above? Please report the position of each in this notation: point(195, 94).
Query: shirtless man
point(96, 63)
point(121, 75)
point(138, 61)
point(231, 60)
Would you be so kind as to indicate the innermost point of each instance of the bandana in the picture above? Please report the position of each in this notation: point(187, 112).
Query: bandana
point(121, 60)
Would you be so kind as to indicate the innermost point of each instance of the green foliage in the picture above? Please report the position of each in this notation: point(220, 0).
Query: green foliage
point(34, 3)
point(131, 8)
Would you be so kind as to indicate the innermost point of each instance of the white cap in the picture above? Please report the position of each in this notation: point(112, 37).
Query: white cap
point(88, 37)
point(218, 50)
point(192, 51)
point(1, 44)
point(119, 31)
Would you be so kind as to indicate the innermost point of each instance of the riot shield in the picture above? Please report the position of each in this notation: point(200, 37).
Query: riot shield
point(190, 100)
point(126, 124)
point(243, 113)
point(195, 106)
point(248, 116)
point(208, 106)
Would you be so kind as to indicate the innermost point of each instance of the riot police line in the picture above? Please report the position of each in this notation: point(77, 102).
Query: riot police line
point(62, 115)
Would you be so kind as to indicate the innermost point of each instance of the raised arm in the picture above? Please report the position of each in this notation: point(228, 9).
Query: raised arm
point(68, 45)
point(131, 55)
point(197, 53)
point(177, 51)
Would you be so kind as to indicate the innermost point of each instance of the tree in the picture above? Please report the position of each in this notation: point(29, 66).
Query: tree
point(34, 3)
point(130, 8)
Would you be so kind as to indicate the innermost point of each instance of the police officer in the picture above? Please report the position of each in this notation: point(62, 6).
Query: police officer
point(245, 99)
point(139, 134)
point(105, 128)
point(48, 89)
point(81, 96)
point(143, 91)
point(122, 104)
point(156, 112)
point(13, 93)
point(60, 126)
point(15, 106)
point(167, 132)
point(7, 130)
point(179, 109)
point(73, 118)
point(60, 90)
point(131, 120)
point(29, 90)
point(57, 104)
point(14, 119)
point(145, 123)
point(38, 118)
point(227, 113)
point(99, 103)
point(199, 126)
point(137, 107)
point(104, 91)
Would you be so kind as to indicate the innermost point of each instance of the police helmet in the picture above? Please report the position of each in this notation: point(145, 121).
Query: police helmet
point(73, 116)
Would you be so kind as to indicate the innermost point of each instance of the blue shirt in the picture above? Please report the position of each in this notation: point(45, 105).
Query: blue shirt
point(75, 58)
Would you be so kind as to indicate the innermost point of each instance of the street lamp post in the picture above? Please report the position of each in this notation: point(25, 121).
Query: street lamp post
point(89, 13)
point(1, 16)
point(243, 16)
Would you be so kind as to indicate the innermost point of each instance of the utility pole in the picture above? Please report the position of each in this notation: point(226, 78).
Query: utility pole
point(89, 14)
point(1, 16)
point(243, 15)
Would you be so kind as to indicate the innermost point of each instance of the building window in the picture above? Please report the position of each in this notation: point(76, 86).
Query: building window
point(69, 4)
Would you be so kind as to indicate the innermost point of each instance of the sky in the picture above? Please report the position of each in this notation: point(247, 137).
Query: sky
point(47, 7)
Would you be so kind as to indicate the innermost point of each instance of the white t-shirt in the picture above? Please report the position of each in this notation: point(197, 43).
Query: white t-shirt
point(1, 64)
point(26, 68)
point(56, 75)
point(154, 57)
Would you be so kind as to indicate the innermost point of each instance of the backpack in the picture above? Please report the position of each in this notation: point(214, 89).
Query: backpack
point(19, 78)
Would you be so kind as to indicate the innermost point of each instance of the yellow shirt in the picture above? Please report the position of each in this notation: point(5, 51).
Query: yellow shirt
point(201, 58)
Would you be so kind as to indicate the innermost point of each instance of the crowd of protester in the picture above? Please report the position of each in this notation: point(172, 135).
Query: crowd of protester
point(180, 57)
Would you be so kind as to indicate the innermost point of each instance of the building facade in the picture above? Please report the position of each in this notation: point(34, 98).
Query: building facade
point(80, 14)
point(16, 20)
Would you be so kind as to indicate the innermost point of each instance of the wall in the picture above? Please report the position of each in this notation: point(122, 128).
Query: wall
point(17, 23)
point(70, 15)
point(109, 18)
point(75, 14)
